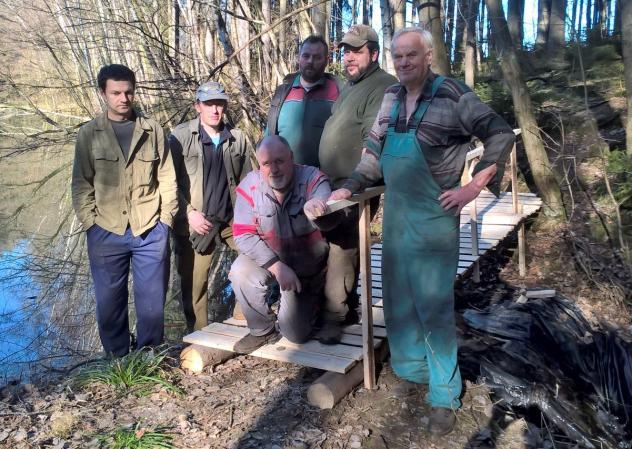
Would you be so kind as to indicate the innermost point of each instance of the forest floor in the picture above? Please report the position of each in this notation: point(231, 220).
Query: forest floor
point(251, 403)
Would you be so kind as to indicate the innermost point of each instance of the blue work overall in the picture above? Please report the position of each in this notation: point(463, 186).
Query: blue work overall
point(419, 263)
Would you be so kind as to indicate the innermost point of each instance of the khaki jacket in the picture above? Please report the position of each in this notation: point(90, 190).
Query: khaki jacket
point(112, 192)
point(188, 160)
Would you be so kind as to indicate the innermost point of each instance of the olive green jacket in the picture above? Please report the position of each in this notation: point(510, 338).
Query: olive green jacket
point(112, 192)
point(188, 160)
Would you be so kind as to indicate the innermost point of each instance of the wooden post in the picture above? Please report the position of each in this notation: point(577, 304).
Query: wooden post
point(514, 179)
point(522, 261)
point(367, 301)
point(476, 271)
point(517, 209)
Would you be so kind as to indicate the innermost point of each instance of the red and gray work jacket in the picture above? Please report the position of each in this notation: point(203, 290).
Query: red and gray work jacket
point(267, 231)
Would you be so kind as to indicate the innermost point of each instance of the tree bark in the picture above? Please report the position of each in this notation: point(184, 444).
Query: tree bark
point(538, 160)
point(387, 35)
point(557, 39)
point(544, 16)
point(626, 35)
point(470, 49)
point(460, 38)
point(398, 9)
point(367, 12)
point(617, 18)
point(430, 17)
point(514, 20)
point(320, 19)
point(449, 28)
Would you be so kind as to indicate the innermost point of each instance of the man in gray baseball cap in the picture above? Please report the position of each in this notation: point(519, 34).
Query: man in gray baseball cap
point(210, 159)
point(343, 138)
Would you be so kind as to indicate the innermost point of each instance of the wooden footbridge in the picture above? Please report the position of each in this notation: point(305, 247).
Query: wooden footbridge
point(484, 224)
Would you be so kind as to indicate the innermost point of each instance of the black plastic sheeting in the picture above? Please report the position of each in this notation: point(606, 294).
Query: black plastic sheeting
point(545, 354)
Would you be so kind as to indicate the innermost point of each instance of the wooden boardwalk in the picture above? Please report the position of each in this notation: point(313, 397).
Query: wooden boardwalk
point(495, 221)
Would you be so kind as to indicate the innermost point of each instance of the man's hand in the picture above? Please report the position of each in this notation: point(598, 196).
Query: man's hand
point(340, 194)
point(458, 198)
point(285, 276)
point(315, 208)
point(198, 222)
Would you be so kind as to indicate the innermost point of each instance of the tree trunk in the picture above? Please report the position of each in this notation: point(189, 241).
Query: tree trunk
point(626, 35)
point(387, 35)
point(367, 12)
point(460, 39)
point(449, 28)
point(320, 19)
point(557, 26)
point(544, 16)
point(284, 30)
point(617, 18)
point(398, 8)
point(538, 160)
point(430, 17)
point(176, 31)
point(514, 20)
point(589, 7)
point(470, 49)
point(603, 18)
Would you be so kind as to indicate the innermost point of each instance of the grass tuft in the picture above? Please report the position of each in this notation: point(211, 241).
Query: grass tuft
point(138, 372)
point(137, 438)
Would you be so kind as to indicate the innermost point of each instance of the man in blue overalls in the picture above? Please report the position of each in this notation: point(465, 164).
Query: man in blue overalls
point(418, 145)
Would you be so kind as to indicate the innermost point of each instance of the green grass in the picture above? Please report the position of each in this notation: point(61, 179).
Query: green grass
point(137, 438)
point(138, 372)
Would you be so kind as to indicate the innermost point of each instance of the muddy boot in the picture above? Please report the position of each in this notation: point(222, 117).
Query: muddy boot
point(237, 313)
point(441, 421)
point(251, 342)
point(329, 334)
point(405, 389)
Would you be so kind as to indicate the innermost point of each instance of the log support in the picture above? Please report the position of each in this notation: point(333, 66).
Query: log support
point(195, 357)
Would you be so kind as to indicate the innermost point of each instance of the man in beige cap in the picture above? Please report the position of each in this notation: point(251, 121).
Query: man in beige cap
point(210, 160)
point(344, 136)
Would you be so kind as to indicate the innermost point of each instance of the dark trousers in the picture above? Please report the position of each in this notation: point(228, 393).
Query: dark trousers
point(110, 258)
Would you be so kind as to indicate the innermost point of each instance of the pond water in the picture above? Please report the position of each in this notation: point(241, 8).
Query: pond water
point(46, 298)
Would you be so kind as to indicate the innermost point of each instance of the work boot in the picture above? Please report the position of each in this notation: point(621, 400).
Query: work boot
point(251, 342)
point(441, 421)
point(404, 389)
point(329, 334)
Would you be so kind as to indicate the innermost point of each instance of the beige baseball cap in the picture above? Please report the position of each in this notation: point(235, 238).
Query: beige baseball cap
point(358, 35)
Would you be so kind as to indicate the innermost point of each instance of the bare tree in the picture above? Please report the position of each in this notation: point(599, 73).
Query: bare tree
point(543, 174)
point(626, 32)
point(429, 13)
point(544, 17)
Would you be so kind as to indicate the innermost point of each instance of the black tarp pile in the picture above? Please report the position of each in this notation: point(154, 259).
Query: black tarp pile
point(545, 354)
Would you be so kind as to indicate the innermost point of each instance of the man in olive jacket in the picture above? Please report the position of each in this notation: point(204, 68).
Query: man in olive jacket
point(210, 159)
point(344, 136)
point(124, 194)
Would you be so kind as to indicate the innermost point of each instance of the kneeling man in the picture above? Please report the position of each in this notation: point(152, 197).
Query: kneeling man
point(277, 240)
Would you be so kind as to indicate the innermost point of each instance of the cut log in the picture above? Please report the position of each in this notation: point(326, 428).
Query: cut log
point(195, 357)
point(330, 388)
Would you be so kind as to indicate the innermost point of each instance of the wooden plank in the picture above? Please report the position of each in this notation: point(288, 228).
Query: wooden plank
point(232, 321)
point(356, 329)
point(316, 347)
point(356, 340)
point(210, 340)
point(336, 205)
point(299, 357)
point(225, 329)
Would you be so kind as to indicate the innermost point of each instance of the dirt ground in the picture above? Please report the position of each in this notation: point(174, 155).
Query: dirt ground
point(252, 403)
